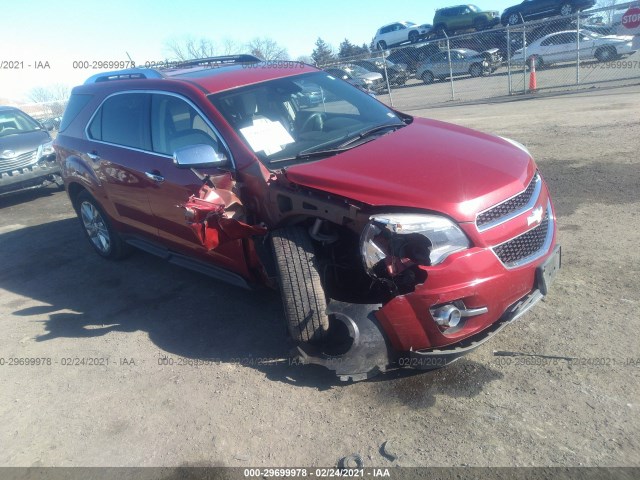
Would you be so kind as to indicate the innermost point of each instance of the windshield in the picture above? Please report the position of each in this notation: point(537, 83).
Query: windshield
point(474, 8)
point(357, 71)
point(283, 120)
point(14, 121)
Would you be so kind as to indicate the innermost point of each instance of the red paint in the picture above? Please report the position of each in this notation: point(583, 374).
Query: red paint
point(631, 19)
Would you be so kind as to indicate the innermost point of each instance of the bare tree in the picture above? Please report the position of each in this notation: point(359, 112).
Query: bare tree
point(189, 48)
point(305, 59)
point(607, 15)
point(267, 49)
point(54, 97)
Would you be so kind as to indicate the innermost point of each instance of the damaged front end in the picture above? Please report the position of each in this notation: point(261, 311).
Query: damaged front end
point(432, 298)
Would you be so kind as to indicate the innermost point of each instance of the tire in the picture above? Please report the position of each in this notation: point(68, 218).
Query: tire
point(566, 9)
point(97, 227)
point(513, 19)
point(413, 36)
point(427, 77)
point(440, 30)
point(476, 70)
point(382, 45)
point(539, 63)
point(606, 54)
point(303, 297)
point(480, 24)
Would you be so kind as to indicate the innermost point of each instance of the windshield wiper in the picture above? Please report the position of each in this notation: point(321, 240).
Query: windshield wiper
point(316, 153)
point(343, 147)
point(371, 131)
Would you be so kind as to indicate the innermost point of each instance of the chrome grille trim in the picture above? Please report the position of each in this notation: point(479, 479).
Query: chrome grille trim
point(510, 259)
point(511, 207)
point(21, 161)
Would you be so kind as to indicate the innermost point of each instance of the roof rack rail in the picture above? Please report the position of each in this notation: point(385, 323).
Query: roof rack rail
point(143, 73)
point(128, 74)
point(212, 61)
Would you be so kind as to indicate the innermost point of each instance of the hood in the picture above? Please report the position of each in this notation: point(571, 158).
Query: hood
point(373, 76)
point(23, 142)
point(428, 165)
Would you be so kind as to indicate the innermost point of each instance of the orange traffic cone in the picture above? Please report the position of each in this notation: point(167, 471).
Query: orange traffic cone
point(533, 84)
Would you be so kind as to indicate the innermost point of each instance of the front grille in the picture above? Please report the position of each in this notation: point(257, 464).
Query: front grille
point(525, 247)
point(509, 208)
point(21, 161)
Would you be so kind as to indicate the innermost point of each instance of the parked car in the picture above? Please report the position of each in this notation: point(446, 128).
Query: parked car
point(51, 123)
point(411, 56)
point(463, 17)
point(27, 158)
point(534, 9)
point(359, 77)
point(395, 240)
point(487, 42)
point(463, 62)
point(396, 72)
point(400, 32)
point(562, 47)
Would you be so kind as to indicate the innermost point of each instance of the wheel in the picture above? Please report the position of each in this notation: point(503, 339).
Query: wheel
point(316, 119)
point(476, 70)
point(566, 9)
point(427, 77)
point(413, 36)
point(103, 238)
point(514, 19)
point(605, 54)
point(302, 293)
point(440, 30)
point(480, 24)
point(382, 45)
point(539, 63)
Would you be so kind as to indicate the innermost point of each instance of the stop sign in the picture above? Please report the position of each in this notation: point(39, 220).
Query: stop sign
point(631, 19)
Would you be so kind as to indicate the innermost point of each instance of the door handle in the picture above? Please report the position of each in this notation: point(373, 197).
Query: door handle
point(93, 156)
point(155, 177)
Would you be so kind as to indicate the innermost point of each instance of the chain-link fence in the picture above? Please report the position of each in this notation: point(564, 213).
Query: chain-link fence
point(560, 53)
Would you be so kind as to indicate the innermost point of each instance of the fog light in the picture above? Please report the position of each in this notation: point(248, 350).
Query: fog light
point(447, 316)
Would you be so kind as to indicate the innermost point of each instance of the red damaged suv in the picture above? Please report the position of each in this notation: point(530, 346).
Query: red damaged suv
point(395, 241)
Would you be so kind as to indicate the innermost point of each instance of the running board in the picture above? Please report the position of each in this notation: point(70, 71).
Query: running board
point(187, 262)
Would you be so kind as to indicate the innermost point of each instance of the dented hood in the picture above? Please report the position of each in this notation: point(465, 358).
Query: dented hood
point(428, 165)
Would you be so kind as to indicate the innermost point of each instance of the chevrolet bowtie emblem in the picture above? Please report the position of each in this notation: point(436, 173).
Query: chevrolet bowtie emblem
point(535, 217)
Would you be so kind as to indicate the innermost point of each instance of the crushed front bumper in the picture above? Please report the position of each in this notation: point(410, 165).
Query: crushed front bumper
point(372, 352)
point(27, 177)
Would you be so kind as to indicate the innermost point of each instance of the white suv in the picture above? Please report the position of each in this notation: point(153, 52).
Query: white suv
point(400, 32)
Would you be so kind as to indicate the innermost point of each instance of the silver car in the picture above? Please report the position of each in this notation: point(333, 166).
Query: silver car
point(463, 62)
point(359, 77)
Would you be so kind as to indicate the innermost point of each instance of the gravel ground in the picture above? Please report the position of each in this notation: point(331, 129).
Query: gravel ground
point(59, 302)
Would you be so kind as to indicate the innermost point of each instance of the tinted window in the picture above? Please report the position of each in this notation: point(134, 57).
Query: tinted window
point(123, 120)
point(76, 103)
point(176, 124)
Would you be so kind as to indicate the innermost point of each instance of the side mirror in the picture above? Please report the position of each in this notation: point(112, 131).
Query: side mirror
point(199, 156)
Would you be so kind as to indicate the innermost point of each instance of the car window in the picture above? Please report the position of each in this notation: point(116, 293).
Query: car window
point(123, 119)
point(15, 121)
point(176, 124)
point(76, 103)
point(280, 118)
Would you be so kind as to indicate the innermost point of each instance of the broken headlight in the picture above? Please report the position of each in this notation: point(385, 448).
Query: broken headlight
point(406, 237)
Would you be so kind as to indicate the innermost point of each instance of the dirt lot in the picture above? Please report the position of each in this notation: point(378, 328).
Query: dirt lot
point(59, 301)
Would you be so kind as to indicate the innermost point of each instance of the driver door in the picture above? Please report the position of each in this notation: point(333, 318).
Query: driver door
point(176, 123)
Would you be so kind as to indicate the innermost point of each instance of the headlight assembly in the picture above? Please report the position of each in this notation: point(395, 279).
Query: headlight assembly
point(45, 150)
point(422, 239)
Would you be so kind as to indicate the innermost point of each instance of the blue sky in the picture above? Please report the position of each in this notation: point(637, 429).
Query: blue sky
point(63, 31)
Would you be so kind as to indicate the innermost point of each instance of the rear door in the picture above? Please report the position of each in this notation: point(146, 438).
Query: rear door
point(121, 141)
